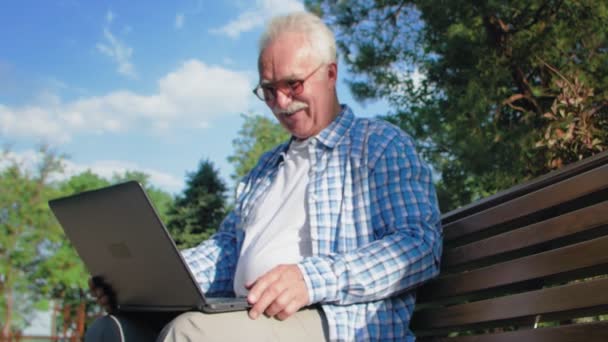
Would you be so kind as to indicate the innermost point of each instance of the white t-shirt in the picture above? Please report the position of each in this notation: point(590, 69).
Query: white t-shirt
point(278, 231)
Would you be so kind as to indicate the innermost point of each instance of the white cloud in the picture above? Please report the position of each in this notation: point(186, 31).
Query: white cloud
point(179, 20)
point(116, 49)
point(31, 121)
point(29, 159)
point(190, 96)
point(256, 16)
point(109, 16)
point(245, 22)
point(108, 168)
point(119, 52)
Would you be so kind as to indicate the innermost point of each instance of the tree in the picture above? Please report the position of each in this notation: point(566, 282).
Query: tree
point(257, 135)
point(198, 212)
point(27, 233)
point(162, 200)
point(63, 272)
point(494, 92)
point(37, 261)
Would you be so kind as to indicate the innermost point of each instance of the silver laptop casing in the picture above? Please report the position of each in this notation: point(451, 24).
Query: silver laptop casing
point(120, 237)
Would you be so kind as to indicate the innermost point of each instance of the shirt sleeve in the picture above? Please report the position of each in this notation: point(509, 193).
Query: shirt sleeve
point(406, 221)
point(213, 262)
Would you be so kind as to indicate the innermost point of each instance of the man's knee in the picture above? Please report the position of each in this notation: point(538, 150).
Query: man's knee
point(184, 327)
point(106, 328)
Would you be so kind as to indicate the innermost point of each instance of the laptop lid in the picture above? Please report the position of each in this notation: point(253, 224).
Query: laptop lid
point(119, 236)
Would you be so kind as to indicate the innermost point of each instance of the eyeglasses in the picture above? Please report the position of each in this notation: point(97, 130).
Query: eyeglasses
point(268, 91)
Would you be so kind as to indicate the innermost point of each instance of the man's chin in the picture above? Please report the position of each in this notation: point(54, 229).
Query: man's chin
point(299, 133)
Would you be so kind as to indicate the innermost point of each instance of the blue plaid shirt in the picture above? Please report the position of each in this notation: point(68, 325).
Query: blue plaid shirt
point(374, 223)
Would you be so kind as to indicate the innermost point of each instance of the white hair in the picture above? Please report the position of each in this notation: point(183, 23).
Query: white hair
point(320, 37)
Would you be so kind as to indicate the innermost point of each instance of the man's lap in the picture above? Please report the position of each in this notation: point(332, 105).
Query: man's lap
point(305, 325)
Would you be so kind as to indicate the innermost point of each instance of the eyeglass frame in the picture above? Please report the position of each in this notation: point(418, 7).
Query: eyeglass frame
point(289, 84)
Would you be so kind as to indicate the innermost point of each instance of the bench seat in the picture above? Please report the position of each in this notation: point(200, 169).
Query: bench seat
point(529, 263)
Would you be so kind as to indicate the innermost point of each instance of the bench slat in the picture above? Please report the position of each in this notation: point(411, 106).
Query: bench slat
point(541, 232)
point(537, 251)
point(588, 332)
point(566, 298)
point(580, 185)
point(527, 187)
point(583, 255)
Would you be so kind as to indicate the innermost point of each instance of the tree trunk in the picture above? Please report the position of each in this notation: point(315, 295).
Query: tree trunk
point(54, 319)
point(6, 329)
point(67, 310)
point(81, 314)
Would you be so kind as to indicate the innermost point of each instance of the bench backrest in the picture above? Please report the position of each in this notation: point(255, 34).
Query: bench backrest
point(529, 263)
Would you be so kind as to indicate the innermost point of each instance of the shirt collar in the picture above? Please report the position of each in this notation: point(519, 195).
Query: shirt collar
point(332, 134)
point(328, 137)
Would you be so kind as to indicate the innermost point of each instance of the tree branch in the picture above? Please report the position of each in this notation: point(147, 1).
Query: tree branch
point(540, 13)
point(524, 88)
point(510, 102)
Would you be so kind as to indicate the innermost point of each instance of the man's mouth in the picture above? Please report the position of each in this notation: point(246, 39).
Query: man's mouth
point(289, 113)
point(293, 108)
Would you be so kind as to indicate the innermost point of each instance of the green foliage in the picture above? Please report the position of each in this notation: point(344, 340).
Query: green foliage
point(163, 201)
point(198, 212)
point(257, 135)
point(27, 232)
point(84, 181)
point(490, 72)
point(37, 261)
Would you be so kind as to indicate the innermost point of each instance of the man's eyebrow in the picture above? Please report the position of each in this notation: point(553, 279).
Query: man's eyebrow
point(292, 77)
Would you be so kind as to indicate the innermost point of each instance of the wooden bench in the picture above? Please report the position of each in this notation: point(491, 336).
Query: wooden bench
point(527, 264)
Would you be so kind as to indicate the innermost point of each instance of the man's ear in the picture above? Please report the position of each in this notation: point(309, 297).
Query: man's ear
point(332, 73)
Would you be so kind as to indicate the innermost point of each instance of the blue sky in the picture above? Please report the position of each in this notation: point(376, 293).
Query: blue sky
point(134, 85)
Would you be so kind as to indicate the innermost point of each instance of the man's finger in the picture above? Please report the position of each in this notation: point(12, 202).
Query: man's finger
point(279, 304)
point(291, 308)
point(259, 287)
point(271, 292)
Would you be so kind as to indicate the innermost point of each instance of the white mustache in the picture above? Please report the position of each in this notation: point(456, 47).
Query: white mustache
point(292, 108)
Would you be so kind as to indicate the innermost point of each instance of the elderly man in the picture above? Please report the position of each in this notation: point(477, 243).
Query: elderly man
point(331, 231)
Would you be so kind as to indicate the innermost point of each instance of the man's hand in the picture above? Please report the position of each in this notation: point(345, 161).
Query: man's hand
point(103, 293)
point(279, 293)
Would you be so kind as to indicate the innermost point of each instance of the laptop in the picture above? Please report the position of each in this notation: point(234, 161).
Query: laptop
point(120, 237)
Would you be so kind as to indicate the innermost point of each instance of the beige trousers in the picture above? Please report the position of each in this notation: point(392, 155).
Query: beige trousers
point(305, 325)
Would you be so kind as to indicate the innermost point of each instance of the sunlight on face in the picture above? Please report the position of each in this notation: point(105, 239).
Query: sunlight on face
point(289, 58)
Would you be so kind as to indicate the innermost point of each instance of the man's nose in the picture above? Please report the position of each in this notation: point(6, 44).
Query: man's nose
point(283, 98)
